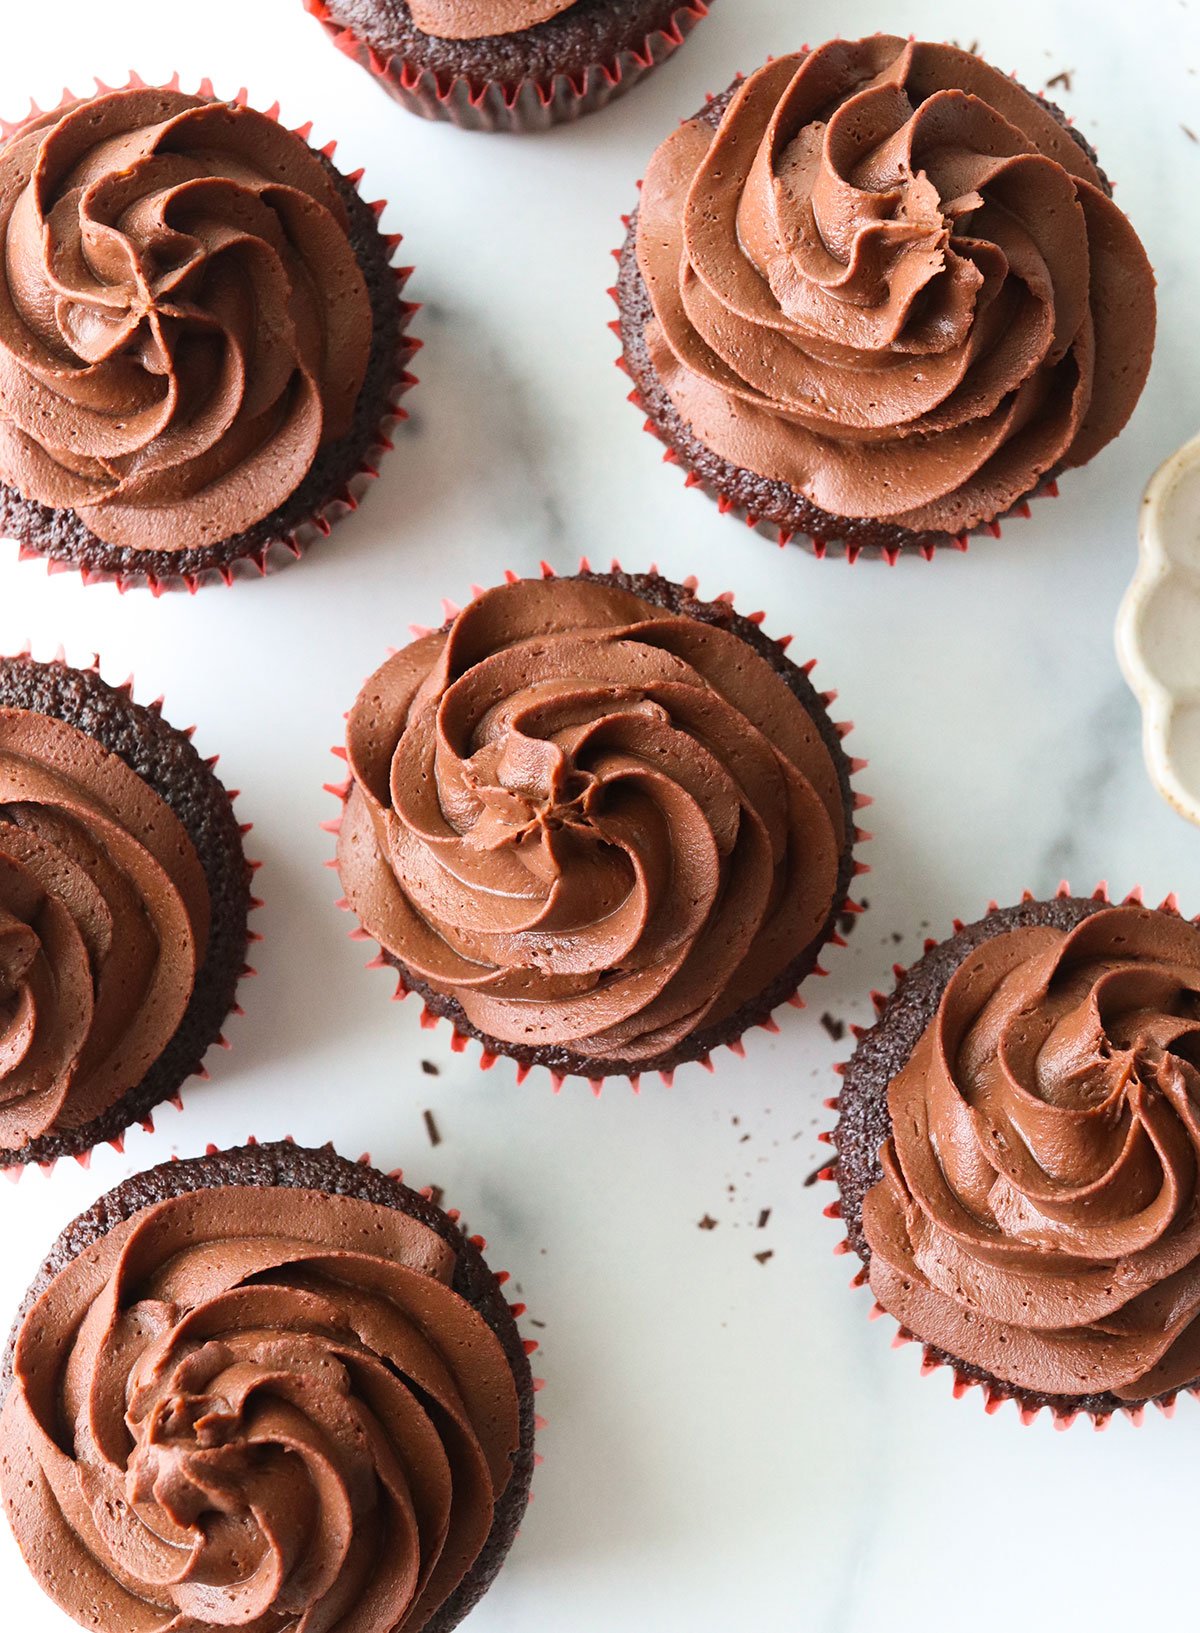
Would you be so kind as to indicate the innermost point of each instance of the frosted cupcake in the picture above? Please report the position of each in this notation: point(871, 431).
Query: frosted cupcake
point(508, 65)
point(201, 340)
point(1018, 1154)
point(266, 1388)
point(597, 823)
point(878, 296)
point(124, 895)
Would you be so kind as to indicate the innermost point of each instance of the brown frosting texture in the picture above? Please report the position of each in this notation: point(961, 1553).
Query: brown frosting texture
point(261, 1409)
point(104, 914)
point(892, 281)
point(1038, 1214)
point(183, 322)
point(591, 822)
point(480, 19)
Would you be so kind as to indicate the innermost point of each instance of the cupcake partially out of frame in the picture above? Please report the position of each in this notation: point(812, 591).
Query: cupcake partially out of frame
point(124, 895)
point(1018, 1155)
point(878, 297)
point(598, 824)
point(201, 338)
point(266, 1388)
point(508, 65)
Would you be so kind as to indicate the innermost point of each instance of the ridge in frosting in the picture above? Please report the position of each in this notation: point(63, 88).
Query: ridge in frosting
point(257, 1408)
point(183, 321)
point(104, 918)
point(590, 821)
point(481, 19)
point(1039, 1211)
point(893, 281)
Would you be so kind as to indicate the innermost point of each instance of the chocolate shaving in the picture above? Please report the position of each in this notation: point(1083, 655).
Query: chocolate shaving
point(765, 1256)
point(835, 1028)
point(708, 1222)
point(764, 1219)
point(847, 920)
point(1061, 81)
point(1189, 133)
point(431, 1128)
point(430, 1070)
point(436, 1195)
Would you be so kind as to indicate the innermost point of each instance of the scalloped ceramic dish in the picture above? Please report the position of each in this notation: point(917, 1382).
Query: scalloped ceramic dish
point(1158, 630)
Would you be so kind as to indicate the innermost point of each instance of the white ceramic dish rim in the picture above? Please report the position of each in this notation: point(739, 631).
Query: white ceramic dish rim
point(1158, 565)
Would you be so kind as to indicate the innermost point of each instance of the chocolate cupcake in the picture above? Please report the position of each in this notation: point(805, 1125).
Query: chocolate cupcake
point(596, 823)
point(201, 340)
point(266, 1388)
point(1018, 1155)
point(878, 296)
point(124, 893)
point(508, 65)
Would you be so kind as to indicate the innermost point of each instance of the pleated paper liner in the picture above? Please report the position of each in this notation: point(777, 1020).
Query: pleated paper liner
point(995, 1392)
point(526, 106)
point(12, 1163)
point(291, 544)
point(459, 1039)
point(434, 1195)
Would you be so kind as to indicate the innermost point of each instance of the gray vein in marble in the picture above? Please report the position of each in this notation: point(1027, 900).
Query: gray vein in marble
point(1106, 734)
point(493, 408)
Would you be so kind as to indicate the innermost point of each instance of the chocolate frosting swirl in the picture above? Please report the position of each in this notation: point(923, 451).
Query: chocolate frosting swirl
point(183, 322)
point(259, 1409)
point(104, 915)
point(480, 19)
point(592, 822)
point(892, 280)
point(1039, 1211)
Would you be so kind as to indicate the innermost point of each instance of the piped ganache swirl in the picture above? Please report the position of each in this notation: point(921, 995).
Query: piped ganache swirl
point(183, 321)
point(104, 921)
point(592, 822)
point(891, 279)
point(480, 19)
point(261, 1408)
point(1039, 1211)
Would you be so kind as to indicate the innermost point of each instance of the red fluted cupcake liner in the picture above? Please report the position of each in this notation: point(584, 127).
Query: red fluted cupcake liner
point(459, 1040)
point(527, 106)
point(279, 552)
point(13, 1170)
point(995, 1394)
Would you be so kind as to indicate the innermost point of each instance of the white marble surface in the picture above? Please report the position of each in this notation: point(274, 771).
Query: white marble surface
point(731, 1445)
